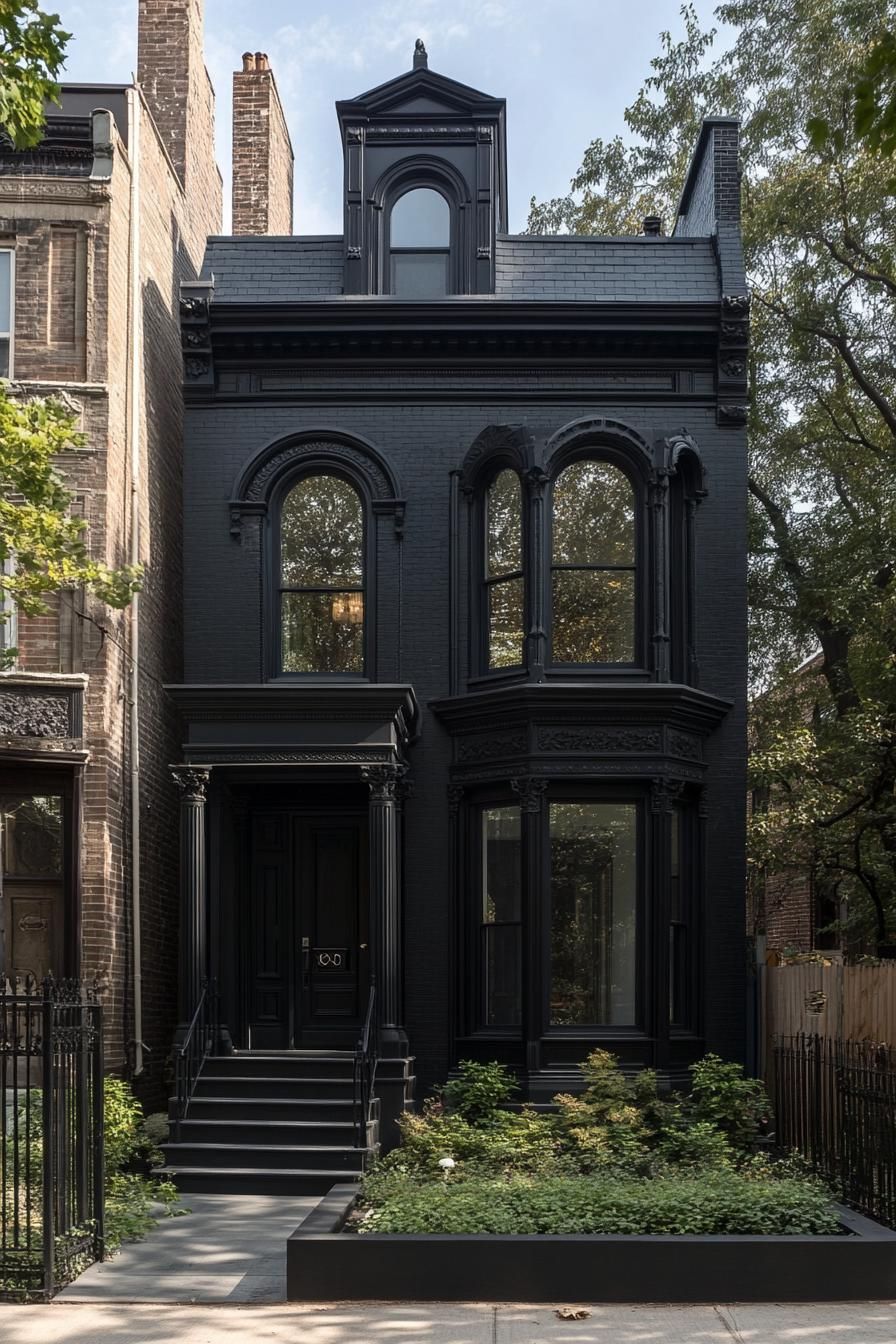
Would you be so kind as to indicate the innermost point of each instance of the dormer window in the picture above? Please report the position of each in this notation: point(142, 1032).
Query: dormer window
point(420, 245)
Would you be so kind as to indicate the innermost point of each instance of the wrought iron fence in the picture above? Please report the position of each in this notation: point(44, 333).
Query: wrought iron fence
point(835, 1102)
point(51, 1135)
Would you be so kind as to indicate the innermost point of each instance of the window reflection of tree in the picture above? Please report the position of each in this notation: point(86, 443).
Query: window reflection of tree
point(592, 849)
point(504, 571)
point(501, 915)
point(322, 577)
point(593, 565)
point(31, 836)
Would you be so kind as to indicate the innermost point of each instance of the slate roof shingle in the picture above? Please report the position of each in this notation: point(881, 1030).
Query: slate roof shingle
point(590, 270)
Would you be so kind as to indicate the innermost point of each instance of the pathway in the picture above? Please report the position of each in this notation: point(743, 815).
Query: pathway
point(229, 1248)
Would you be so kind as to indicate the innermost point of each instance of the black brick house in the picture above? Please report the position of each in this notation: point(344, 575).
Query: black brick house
point(465, 567)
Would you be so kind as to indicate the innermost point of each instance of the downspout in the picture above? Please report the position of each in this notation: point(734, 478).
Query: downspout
point(135, 365)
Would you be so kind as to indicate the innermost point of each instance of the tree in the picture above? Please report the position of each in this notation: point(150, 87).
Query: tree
point(32, 53)
point(38, 535)
point(820, 245)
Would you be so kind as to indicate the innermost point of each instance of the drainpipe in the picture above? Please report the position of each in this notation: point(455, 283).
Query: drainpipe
point(135, 367)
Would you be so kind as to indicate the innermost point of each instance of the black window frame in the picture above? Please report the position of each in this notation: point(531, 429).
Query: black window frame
point(276, 588)
point(421, 181)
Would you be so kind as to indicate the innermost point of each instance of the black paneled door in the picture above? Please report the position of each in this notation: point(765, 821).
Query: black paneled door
point(308, 929)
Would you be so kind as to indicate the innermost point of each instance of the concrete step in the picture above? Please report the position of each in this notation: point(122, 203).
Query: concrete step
point(213, 1084)
point(252, 1180)
point(251, 1107)
point(265, 1156)
point(295, 1133)
point(291, 1064)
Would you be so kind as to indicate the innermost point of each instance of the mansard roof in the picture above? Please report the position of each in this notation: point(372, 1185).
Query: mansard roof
point(644, 269)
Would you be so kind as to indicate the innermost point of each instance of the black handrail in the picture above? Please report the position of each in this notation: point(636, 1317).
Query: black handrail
point(196, 1047)
point(365, 1068)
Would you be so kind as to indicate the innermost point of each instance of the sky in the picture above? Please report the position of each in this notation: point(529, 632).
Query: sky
point(568, 69)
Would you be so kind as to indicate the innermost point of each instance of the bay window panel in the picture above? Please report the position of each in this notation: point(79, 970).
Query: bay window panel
point(505, 525)
point(500, 916)
point(593, 615)
point(593, 913)
point(505, 623)
point(593, 515)
point(322, 632)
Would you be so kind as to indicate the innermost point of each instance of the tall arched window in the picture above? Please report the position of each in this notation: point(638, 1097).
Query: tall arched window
point(420, 245)
point(593, 565)
point(321, 577)
point(503, 580)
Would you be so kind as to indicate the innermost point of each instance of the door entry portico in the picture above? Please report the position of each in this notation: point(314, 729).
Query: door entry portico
point(307, 936)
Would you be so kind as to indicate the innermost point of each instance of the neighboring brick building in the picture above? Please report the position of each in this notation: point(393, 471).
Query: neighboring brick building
point(98, 228)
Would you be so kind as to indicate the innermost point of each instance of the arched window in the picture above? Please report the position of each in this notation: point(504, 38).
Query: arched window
point(504, 595)
point(593, 565)
point(420, 245)
point(321, 577)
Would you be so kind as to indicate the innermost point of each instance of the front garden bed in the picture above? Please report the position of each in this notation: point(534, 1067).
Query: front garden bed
point(325, 1263)
point(618, 1195)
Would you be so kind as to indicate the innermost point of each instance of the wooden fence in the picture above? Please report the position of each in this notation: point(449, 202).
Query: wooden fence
point(856, 1003)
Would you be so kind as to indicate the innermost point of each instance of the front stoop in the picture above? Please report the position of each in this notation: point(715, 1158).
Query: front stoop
point(269, 1124)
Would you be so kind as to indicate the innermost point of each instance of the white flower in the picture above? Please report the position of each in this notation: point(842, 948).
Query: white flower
point(447, 1163)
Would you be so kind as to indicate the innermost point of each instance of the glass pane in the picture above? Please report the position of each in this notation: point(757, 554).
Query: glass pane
point(593, 615)
point(505, 524)
point(501, 865)
point(323, 632)
point(419, 275)
point(420, 218)
point(5, 291)
point(593, 516)
point(31, 835)
point(322, 534)
point(501, 956)
point(505, 623)
point(501, 907)
point(4, 357)
point(593, 913)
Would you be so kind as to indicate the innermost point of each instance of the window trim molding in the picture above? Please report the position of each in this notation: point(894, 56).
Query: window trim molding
point(409, 174)
point(255, 498)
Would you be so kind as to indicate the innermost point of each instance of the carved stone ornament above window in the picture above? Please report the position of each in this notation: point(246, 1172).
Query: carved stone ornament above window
point(317, 452)
point(33, 715)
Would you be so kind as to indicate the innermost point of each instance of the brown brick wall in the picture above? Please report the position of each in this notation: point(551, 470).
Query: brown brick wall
point(262, 153)
point(73, 322)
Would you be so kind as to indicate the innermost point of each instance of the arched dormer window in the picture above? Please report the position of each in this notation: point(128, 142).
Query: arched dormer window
point(420, 245)
point(503, 582)
point(593, 565)
point(321, 577)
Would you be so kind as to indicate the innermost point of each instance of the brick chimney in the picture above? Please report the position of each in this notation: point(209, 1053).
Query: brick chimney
point(262, 151)
point(171, 71)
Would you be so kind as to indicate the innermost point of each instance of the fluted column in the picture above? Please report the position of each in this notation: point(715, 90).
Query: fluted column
point(193, 962)
point(384, 782)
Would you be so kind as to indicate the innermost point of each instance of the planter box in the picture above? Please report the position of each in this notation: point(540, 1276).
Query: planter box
point(325, 1264)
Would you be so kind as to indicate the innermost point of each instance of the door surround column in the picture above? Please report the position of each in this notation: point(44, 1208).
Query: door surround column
point(193, 956)
point(384, 783)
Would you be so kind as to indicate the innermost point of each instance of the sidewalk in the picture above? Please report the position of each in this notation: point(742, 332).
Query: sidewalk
point(73, 1323)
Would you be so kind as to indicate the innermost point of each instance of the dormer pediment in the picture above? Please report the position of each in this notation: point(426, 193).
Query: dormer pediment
point(423, 132)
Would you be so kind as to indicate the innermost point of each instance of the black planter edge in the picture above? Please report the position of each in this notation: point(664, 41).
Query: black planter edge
point(325, 1265)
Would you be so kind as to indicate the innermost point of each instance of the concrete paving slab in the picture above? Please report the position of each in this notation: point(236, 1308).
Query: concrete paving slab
point(812, 1323)
point(228, 1248)
point(612, 1325)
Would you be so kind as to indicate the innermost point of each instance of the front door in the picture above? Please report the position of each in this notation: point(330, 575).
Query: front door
point(308, 938)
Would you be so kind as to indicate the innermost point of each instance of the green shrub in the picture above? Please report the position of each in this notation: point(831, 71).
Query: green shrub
point(713, 1203)
point(721, 1096)
point(523, 1141)
point(122, 1117)
point(480, 1091)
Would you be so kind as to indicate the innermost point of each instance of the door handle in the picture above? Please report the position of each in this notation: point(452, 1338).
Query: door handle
point(363, 947)
point(306, 960)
